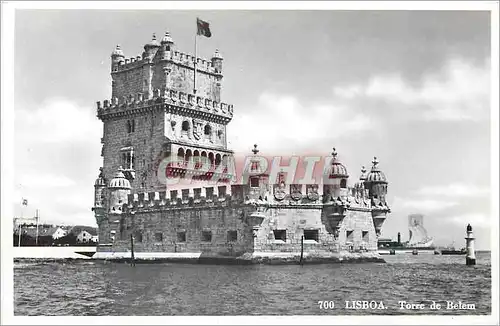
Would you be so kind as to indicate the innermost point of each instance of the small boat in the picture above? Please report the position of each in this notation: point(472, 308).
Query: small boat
point(451, 250)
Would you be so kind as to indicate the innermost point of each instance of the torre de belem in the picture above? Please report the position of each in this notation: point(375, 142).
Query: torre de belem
point(155, 113)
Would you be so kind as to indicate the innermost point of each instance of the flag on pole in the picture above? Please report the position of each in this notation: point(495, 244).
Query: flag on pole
point(203, 28)
point(25, 202)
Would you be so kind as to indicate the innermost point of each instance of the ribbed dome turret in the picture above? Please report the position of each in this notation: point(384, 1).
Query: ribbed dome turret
point(217, 55)
point(375, 174)
point(100, 181)
point(119, 180)
point(167, 38)
point(153, 44)
point(337, 169)
point(117, 52)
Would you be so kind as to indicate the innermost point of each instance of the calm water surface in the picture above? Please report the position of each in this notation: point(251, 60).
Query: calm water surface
point(99, 288)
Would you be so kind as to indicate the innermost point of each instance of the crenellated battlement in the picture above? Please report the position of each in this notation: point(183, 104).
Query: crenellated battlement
point(165, 96)
point(130, 63)
point(188, 198)
point(176, 57)
point(239, 194)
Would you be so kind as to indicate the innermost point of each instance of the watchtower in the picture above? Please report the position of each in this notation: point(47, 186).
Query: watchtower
point(156, 114)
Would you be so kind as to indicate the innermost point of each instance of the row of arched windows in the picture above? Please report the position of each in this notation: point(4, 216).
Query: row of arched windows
point(185, 155)
point(207, 130)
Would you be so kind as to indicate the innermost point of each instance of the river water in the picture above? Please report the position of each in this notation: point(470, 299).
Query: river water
point(117, 289)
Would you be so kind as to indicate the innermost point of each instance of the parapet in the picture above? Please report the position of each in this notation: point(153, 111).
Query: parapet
point(130, 63)
point(166, 96)
point(185, 198)
point(176, 57)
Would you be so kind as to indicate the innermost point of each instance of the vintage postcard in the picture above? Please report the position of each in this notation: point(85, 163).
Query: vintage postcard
point(249, 163)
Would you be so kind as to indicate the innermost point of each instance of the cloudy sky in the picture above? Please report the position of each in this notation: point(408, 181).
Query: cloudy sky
point(411, 87)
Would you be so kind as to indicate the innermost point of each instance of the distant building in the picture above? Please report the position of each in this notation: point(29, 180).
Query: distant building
point(54, 232)
point(83, 234)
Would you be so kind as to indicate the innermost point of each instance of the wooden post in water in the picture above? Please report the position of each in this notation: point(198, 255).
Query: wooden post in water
point(19, 236)
point(132, 261)
point(302, 251)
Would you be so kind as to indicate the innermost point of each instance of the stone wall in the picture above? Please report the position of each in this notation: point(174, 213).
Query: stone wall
point(147, 225)
point(147, 141)
point(294, 220)
point(144, 76)
point(130, 81)
point(358, 221)
point(181, 78)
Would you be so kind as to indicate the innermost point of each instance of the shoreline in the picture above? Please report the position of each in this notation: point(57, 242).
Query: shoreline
point(267, 258)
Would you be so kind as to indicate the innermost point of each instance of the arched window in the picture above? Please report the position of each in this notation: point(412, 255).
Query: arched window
point(180, 154)
point(185, 126)
point(129, 127)
point(208, 130)
point(211, 158)
point(188, 156)
point(343, 183)
point(196, 155)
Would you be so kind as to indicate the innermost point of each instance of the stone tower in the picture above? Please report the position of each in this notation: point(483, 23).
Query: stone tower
point(154, 116)
point(155, 113)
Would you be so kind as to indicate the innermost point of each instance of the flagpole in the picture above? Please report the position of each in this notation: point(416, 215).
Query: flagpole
point(195, 57)
point(36, 239)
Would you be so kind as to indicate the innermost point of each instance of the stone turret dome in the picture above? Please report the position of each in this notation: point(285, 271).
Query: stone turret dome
point(100, 181)
point(167, 38)
point(217, 55)
point(337, 169)
point(375, 174)
point(153, 43)
point(117, 52)
point(119, 181)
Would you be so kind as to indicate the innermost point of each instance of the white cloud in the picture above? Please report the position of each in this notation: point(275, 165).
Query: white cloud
point(420, 205)
point(57, 120)
point(453, 190)
point(460, 91)
point(475, 220)
point(282, 120)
